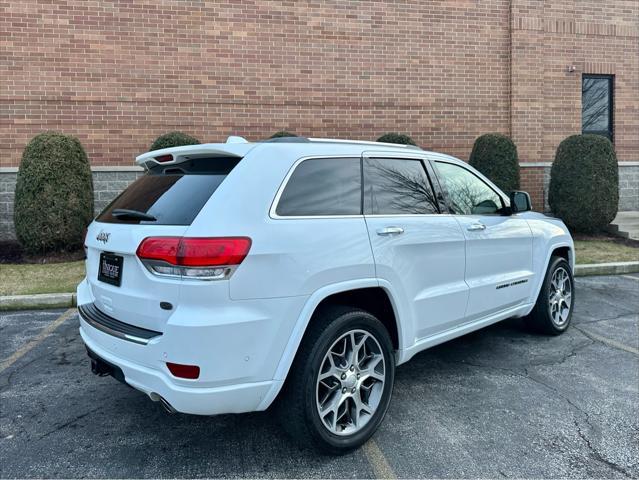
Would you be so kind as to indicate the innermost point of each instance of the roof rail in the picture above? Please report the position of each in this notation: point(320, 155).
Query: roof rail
point(336, 140)
point(285, 140)
point(364, 142)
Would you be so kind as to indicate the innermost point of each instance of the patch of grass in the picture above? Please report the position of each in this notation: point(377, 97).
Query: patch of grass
point(604, 251)
point(32, 278)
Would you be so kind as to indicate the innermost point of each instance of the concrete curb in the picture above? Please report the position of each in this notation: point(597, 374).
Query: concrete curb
point(613, 268)
point(41, 301)
point(66, 300)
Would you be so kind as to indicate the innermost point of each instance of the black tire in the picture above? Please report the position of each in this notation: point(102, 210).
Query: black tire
point(540, 318)
point(296, 406)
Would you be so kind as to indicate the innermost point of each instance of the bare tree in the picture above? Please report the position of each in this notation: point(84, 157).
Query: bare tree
point(469, 197)
point(408, 192)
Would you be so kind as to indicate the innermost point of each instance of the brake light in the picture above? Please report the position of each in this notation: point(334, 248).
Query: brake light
point(164, 158)
point(184, 371)
point(210, 258)
point(159, 248)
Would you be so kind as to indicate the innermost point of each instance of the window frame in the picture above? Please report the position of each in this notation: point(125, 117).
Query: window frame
point(505, 202)
point(610, 132)
point(423, 160)
point(273, 209)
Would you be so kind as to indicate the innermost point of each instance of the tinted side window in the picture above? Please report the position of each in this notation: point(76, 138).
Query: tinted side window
point(395, 186)
point(323, 186)
point(467, 193)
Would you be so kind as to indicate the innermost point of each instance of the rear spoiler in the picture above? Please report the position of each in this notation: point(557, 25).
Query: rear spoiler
point(175, 155)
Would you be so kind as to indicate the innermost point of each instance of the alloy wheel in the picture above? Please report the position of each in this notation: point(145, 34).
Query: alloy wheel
point(560, 298)
point(350, 382)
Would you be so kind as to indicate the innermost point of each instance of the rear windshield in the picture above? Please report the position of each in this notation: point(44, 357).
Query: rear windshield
point(169, 195)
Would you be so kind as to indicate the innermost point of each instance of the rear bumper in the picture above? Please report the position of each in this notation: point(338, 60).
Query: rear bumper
point(238, 398)
point(97, 319)
point(237, 345)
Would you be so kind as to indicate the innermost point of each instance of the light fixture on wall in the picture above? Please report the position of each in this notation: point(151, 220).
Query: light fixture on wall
point(571, 69)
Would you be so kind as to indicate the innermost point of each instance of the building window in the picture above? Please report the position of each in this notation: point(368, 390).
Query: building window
point(596, 104)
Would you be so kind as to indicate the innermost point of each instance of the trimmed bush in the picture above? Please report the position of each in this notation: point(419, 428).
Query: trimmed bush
point(495, 156)
point(173, 139)
point(584, 183)
point(396, 138)
point(54, 194)
point(282, 133)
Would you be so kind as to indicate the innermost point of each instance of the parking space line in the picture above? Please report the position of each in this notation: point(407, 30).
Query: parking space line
point(609, 342)
point(46, 331)
point(631, 277)
point(377, 460)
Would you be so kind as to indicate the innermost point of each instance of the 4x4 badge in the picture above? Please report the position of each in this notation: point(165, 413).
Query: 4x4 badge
point(103, 237)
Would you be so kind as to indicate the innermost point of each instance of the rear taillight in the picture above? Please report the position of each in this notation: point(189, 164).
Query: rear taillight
point(203, 258)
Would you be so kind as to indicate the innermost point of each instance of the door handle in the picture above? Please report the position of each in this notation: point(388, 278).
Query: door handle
point(386, 231)
point(475, 227)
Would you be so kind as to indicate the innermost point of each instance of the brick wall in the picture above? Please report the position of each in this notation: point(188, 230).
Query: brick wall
point(117, 74)
point(547, 37)
point(533, 180)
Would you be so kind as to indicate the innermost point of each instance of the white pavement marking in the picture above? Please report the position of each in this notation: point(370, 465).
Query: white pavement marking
point(631, 277)
point(46, 331)
point(377, 460)
point(7, 317)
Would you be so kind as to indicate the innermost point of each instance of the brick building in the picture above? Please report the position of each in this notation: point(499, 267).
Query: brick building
point(118, 74)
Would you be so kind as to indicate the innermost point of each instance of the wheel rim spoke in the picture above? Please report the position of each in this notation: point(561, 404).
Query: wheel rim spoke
point(371, 370)
point(350, 382)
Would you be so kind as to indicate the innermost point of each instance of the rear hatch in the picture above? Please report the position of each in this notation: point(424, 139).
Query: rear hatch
point(161, 203)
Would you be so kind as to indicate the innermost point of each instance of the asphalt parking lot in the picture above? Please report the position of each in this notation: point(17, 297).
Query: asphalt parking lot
point(501, 402)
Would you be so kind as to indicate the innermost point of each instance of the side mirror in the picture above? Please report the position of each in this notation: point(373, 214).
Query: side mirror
point(520, 202)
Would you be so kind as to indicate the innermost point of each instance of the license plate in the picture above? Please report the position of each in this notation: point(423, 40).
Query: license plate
point(110, 270)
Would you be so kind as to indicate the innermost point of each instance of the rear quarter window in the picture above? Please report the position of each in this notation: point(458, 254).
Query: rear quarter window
point(323, 187)
point(172, 194)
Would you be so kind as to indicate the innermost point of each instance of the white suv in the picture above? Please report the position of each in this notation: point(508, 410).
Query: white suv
point(300, 270)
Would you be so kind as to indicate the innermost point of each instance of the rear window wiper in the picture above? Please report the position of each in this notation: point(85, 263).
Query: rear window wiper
point(126, 213)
